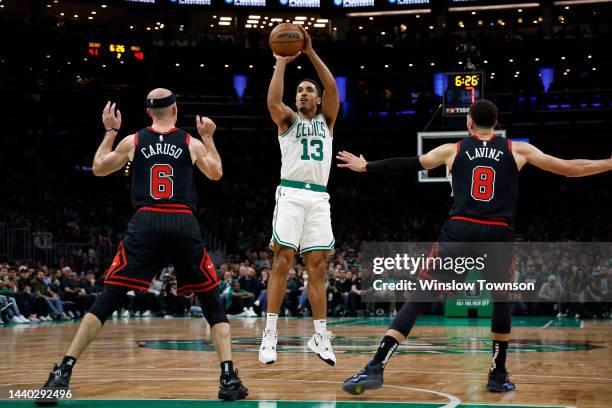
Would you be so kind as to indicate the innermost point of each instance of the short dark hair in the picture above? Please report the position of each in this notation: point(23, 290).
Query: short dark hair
point(484, 113)
point(316, 84)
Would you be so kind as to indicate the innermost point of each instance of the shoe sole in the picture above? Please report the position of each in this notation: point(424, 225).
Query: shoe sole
point(238, 394)
point(361, 387)
point(266, 362)
point(313, 348)
point(498, 388)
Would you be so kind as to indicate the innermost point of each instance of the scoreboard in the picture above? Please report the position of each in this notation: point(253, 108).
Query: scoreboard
point(461, 90)
point(116, 50)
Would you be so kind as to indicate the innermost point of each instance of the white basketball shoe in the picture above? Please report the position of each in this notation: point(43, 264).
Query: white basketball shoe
point(320, 344)
point(267, 350)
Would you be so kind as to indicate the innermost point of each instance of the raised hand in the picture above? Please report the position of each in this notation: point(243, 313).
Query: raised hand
point(111, 117)
point(351, 161)
point(307, 41)
point(206, 127)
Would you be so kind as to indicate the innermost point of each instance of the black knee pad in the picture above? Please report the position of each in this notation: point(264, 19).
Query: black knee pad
point(107, 301)
point(405, 319)
point(213, 309)
point(501, 322)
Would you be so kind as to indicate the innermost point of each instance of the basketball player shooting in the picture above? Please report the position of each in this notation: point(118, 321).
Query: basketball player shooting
point(485, 185)
point(163, 229)
point(302, 218)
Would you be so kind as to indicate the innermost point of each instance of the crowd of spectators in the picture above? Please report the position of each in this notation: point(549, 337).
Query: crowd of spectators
point(578, 286)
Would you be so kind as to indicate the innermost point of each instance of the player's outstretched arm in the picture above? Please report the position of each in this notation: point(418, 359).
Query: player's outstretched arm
point(528, 153)
point(330, 103)
point(281, 114)
point(204, 153)
point(107, 161)
point(443, 154)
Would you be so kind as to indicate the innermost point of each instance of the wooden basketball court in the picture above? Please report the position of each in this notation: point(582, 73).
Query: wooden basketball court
point(170, 363)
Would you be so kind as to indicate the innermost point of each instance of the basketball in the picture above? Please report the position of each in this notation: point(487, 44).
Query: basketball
point(286, 39)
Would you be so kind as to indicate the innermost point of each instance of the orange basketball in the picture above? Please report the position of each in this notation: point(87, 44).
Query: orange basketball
point(286, 39)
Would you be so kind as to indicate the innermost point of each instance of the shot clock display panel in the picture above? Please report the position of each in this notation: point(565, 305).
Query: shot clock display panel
point(461, 89)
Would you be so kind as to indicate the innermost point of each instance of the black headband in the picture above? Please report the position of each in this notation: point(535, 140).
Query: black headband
point(161, 102)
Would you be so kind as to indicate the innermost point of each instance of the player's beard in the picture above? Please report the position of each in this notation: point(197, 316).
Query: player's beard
point(306, 108)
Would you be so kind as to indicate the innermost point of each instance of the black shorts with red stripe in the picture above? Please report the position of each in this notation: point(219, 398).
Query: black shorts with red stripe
point(460, 236)
point(157, 235)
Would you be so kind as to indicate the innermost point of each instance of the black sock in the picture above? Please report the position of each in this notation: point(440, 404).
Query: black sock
point(68, 362)
point(499, 355)
point(227, 367)
point(385, 350)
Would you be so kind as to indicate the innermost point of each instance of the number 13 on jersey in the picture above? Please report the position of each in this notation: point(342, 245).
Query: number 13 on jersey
point(316, 153)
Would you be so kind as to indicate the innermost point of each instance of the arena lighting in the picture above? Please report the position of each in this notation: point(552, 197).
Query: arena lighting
point(254, 17)
point(387, 13)
point(438, 79)
point(300, 18)
point(322, 20)
point(548, 76)
point(224, 23)
point(494, 7)
point(319, 25)
point(252, 22)
point(579, 2)
point(225, 18)
point(240, 84)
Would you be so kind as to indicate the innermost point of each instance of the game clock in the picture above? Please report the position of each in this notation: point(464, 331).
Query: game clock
point(461, 90)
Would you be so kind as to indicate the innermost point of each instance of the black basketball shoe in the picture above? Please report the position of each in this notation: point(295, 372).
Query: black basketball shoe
point(231, 388)
point(59, 380)
point(499, 382)
point(370, 378)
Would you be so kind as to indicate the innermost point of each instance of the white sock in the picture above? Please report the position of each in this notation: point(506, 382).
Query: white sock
point(320, 326)
point(271, 319)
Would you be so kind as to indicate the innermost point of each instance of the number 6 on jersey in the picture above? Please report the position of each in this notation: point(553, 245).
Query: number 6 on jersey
point(162, 186)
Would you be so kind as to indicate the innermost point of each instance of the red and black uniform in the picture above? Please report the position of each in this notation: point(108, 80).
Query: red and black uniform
point(164, 228)
point(485, 189)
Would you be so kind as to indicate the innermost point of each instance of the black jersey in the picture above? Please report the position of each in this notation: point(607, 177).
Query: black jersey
point(484, 179)
point(162, 171)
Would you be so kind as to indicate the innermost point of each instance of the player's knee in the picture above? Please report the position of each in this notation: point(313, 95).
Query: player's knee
point(221, 330)
point(284, 258)
point(213, 310)
point(107, 301)
point(316, 260)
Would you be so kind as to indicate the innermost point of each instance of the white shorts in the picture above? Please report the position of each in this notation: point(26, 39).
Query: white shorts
point(302, 219)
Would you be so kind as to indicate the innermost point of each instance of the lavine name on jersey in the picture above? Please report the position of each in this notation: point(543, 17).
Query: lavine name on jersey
point(161, 148)
point(485, 152)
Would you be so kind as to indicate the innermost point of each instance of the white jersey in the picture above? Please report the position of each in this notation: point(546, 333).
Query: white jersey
point(306, 151)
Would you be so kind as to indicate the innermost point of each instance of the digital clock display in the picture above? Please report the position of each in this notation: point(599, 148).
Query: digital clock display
point(461, 90)
point(117, 51)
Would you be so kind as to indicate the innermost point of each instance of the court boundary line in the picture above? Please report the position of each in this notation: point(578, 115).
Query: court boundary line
point(453, 401)
point(478, 404)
